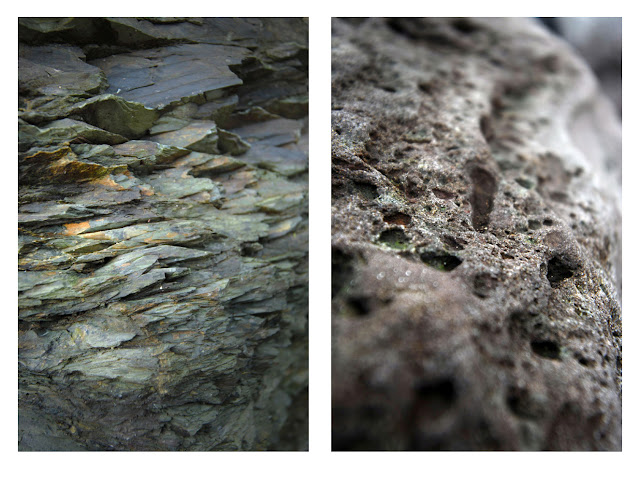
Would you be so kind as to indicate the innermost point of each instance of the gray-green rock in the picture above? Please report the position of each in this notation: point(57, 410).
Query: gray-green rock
point(163, 282)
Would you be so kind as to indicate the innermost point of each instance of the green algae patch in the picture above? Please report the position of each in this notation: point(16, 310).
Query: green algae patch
point(394, 238)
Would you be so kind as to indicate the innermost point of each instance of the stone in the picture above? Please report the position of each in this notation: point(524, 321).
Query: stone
point(286, 162)
point(272, 132)
point(57, 29)
point(162, 281)
point(155, 30)
point(231, 143)
point(144, 156)
point(115, 114)
point(201, 136)
point(217, 110)
point(166, 76)
point(476, 239)
point(291, 108)
point(57, 71)
point(64, 130)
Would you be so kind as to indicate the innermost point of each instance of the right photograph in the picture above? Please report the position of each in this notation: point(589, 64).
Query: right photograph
point(476, 234)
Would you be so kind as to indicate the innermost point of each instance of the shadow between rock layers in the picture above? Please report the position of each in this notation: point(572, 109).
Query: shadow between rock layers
point(476, 270)
point(163, 234)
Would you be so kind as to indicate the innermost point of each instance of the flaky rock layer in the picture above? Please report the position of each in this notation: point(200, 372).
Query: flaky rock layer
point(162, 232)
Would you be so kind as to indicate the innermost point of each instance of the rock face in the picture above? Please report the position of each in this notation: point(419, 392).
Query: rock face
point(163, 234)
point(476, 240)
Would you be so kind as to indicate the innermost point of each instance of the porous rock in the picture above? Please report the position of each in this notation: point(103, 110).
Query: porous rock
point(476, 240)
point(162, 294)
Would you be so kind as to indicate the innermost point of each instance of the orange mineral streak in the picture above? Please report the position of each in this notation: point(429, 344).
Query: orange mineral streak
point(49, 155)
point(97, 235)
point(107, 181)
point(75, 229)
point(178, 336)
point(68, 168)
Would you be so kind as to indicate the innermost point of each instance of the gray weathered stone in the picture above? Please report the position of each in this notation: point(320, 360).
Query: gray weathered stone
point(171, 75)
point(476, 240)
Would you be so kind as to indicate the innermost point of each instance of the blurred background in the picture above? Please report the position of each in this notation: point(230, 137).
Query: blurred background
point(599, 41)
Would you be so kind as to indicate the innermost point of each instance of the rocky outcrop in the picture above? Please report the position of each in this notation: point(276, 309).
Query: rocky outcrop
point(476, 240)
point(163, 234)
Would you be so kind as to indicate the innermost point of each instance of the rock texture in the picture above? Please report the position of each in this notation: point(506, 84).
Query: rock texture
point(163, 234)
point(476, 240)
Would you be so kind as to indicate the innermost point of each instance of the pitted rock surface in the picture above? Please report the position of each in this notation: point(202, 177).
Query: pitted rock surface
point(476, 269)
point(163, 275)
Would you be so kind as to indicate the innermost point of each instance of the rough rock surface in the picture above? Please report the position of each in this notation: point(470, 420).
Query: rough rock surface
point(163, 275)
point(476, 269)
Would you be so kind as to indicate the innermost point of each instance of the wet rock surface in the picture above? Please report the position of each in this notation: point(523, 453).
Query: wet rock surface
point(163, 275)
point(476, 269)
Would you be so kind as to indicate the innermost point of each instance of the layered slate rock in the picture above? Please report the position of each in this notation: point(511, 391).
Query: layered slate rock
point(164, 76)
point(476, 272)
point(163, 275)
point(115, 32)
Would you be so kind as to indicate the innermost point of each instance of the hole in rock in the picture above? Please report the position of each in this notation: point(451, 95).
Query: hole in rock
point(559, 196)
point(442, 194)
point(341, 270)
point(464, 26)
point(586, 362)
point(441, 261)
point(484, 190)
point(484, 284)
point(557, 270)
point(534, 224)
point(486, 128)
point(395, 238)
point(434, 398)
point(522, 404)
point(359, 305)
point(426, 87)
point(366, 190)
point(525, 183)
point(546, 349)
point(397, 218)
point(452, 242)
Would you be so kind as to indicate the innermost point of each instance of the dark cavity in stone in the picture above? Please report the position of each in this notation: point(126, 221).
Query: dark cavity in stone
point(483, 193)
point(341, 270)
point(395, 238)
point(366, 190)
point(435, 398)
point(557, 270)
point(441, 261)
point(359, 305)
point(546, 349)
point(397, 218)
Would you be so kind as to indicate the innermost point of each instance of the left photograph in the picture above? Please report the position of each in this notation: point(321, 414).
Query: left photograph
point(163, 234)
